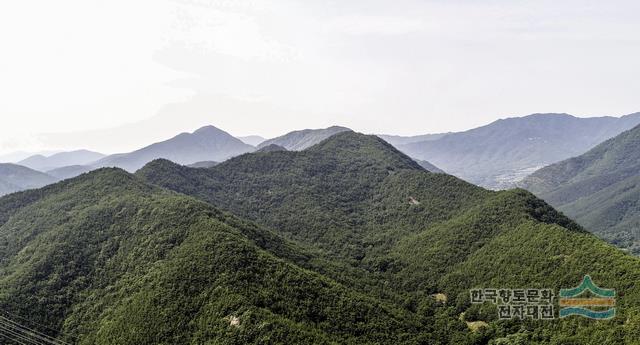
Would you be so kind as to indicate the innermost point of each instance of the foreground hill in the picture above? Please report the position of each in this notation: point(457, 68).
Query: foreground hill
point(600, 189)
point(15, 178)
point(206, 144)
point(501, 153)
point(300, 140)
point(388, 227)
point(62, 159)
point(108, 259)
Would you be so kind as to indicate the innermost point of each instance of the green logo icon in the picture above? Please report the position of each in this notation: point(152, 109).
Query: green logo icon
point(600, 305)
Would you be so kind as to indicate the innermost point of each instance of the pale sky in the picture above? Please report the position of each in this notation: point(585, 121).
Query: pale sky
point(153, 68)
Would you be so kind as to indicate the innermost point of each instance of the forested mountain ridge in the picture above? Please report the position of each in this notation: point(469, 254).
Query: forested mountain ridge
point(365, 204)
point(600, 189)
point(108, 259)
point(347, 241)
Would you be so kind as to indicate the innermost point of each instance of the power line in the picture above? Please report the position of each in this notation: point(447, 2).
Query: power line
point(8, 337)
point(10, 314)
point(34, 333)
point(28, 334)
point(33, 329)
point(18, 337)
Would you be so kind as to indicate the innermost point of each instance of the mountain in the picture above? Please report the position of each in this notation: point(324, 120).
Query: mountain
point(253, 140)
point(62, 159)
point(203, 164)
point(15, 178)
point(600, 189)
point(501, 153)
point(13, 157)
point(300, 140)
point(382, 224)
point(108, 259)
point(272, 148)
point(429, 167)
point(70, 171)
point(397, 140)
point(206, 144)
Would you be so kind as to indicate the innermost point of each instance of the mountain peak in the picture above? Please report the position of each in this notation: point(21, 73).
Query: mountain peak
point(338, 128)
point(302, 139)
point(208, 143)
point(356, 145)
point(209, 130)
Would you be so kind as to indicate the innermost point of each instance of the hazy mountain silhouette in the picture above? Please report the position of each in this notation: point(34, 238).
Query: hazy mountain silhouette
point(396, 140)
point(302, 139)
point(16, 156)
point(253, 140)
point(14, 178)
point(62, 159)
point(205, 144)
point(70, 171)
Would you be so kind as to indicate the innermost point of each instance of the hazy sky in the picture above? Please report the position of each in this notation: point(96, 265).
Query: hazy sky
point(270, 66)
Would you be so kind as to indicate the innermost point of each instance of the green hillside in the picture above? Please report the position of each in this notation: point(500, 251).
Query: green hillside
point(107, 259)
point(407, 234)
point(600, 189)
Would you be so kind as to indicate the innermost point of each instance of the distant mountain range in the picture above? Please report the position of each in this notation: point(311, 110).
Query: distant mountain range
point(501, 153)
point(16, 156)
point(300, 140)
point(397, 140)
point(495, 156)
point(205, 144)
point(70, 171)
point(62, 159)
point(14, 178)
point(253, 140)
point(600, 189)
